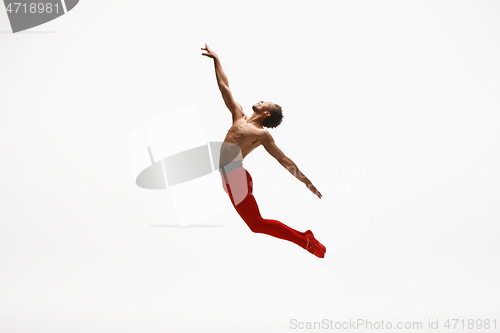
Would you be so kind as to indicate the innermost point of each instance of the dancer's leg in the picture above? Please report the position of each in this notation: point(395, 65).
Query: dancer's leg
point(248, 209)
point(249, 212)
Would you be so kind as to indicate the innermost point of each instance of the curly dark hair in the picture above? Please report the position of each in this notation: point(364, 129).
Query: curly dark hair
point(275, 119)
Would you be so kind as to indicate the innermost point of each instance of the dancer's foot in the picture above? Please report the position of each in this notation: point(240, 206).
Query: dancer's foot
point(309, 232)
point(313, 246)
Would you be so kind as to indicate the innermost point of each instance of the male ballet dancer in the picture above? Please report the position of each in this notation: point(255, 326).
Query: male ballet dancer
point(246, 134)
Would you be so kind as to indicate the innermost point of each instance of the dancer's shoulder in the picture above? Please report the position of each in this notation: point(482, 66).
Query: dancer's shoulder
point(264, 135)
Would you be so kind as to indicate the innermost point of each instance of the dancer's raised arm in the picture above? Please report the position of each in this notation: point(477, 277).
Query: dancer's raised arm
point(223, 83)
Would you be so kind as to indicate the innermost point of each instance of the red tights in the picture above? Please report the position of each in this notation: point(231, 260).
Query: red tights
point(238, 184)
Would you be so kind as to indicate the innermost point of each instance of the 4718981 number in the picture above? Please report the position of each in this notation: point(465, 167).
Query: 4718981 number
point(32, 8)
point(470, 324)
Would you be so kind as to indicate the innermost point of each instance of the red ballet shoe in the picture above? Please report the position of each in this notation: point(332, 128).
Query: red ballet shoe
point(313, 246)
point(323, 248)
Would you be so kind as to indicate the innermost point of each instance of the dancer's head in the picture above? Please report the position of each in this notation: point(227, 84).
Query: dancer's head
point(271, 111)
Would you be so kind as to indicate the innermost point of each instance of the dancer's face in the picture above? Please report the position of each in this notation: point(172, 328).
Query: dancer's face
point(262, 106)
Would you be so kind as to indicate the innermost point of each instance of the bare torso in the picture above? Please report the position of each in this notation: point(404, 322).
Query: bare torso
point(240, 140)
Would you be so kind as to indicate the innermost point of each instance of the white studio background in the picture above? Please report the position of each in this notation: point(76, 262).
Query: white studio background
point(391, 109)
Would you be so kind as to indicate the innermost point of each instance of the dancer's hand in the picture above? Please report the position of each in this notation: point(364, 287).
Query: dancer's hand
point(210, 53)
point(313, 189)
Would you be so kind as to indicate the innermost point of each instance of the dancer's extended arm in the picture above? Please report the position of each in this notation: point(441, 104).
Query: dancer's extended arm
point(223, 83)
point(273, 150)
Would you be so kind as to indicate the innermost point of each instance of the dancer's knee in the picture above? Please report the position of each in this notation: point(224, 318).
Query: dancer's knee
point(258, 227)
